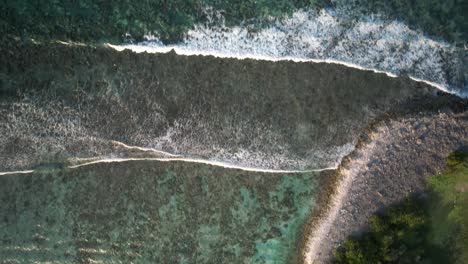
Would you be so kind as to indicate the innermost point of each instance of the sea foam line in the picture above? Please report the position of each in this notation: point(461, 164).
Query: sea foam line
point(335, 36)
point(189, 160)
point(145, 149)
point(169, 157)
point(184, 50)
point(200, 161)
point(16, 172)
point(181, 50)
point(174, 157)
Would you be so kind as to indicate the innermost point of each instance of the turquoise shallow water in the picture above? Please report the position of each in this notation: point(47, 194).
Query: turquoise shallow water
point(153, 212)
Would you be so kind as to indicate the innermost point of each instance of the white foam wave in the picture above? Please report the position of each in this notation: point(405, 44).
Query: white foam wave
point(174, 158)
point(201, 161)
point(329, 36)
point(164, 153)
point(16, 172)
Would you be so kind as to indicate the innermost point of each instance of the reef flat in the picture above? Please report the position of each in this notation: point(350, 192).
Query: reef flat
point(72, 101)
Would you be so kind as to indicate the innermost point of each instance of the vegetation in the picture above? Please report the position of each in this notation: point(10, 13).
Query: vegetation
point(429, 230)
point(449, 205)
point(99, 20)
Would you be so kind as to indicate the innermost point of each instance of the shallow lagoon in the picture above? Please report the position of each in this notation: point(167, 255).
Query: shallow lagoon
point(154, 212)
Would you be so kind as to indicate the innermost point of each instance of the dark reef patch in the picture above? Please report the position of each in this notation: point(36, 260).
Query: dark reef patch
point(72, 99)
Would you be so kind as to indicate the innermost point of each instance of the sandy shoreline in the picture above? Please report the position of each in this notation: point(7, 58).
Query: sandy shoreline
point(389, 165)
point(319, 233)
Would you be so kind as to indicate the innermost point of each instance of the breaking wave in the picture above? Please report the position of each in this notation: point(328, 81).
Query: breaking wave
point(330, 35)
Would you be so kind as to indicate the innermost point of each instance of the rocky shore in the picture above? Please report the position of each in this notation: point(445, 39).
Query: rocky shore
point(391, 163)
